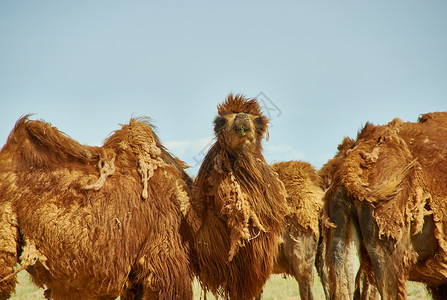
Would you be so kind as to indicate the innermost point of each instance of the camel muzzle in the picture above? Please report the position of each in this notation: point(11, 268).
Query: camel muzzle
point(241, 124)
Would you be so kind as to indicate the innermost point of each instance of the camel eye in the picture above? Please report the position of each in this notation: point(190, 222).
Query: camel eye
point(219, 123)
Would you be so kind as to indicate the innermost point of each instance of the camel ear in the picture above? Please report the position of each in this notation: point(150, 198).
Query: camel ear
point(219, 123)
point(261, 124)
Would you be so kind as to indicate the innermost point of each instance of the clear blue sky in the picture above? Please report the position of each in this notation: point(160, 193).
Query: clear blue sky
point(324, 67)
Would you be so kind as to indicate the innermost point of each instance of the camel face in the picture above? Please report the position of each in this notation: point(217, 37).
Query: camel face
point(239, 221)
point(239, 131)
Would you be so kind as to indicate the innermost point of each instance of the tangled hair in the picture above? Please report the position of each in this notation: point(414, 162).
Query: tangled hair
point(238, 103)
point(242, 206)
point(304, 193)
point(397, 173)
point(327, 172)
point(94, 222)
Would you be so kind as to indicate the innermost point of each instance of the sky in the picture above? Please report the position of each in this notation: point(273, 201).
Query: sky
point(320, 69)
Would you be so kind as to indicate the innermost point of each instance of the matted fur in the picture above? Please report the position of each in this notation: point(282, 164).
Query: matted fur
point(376, 170)
point(93, 222)
point(399, 170)
point(242, 204)
point(364, 280)
point(301, 231)
point(304, 193)
point(327, 172)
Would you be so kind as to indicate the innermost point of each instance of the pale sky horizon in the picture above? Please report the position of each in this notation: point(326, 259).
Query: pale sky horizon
point(321, 69)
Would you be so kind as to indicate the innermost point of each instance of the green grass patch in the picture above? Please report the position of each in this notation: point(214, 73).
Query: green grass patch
point(276, 288)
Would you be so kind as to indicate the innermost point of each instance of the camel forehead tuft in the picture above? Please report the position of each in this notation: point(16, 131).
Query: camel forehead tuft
point(239, 103)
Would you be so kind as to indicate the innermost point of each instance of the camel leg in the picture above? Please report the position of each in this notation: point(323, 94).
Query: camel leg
point(303, 261)
point(163, 274)
point(151, 288)
point(7, 263)
point(387, 258)
point(321, 265)
point(306, 290)
point(364, 289)
point(343, 244)
point(8, 253)
point(151, 278)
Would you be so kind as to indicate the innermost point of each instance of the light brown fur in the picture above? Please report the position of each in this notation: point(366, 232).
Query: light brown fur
point(241, 204)
point(301, 229)
point(93, 222)
point(392, 183)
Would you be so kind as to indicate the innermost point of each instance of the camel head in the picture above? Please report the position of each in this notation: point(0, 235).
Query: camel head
point(240, 124)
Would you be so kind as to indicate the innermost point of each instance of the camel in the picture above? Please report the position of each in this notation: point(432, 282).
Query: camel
point(298, 249)
point(238, 206)
point(94, 222)
point(387, 203)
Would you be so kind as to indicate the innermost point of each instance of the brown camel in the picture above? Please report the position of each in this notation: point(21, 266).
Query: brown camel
point(239, 205)
point(388, 203)
point(93, 222)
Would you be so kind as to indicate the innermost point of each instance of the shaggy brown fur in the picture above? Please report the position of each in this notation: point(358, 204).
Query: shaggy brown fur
point(327, 172)
point(301, 229)
point(303, 186)
point(241, 204)
point(392, 184)
point(93, 222)
point(364, 280)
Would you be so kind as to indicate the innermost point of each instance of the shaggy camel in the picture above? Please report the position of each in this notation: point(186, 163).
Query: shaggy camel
point(93, 222)
point(388, 202)
point(364, 280)
point(240, 205)
point(301, 228)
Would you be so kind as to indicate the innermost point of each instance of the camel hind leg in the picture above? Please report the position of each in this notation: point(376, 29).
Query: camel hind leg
point(9, 237)
point(300, 249)
point(297, 258)
point(342, 247)
point(387, 256)
point(321, 264)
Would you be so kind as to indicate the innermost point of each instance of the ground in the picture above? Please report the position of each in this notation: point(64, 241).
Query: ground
point(276, 288)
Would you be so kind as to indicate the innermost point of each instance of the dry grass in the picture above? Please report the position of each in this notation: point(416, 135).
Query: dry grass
point(276, 288)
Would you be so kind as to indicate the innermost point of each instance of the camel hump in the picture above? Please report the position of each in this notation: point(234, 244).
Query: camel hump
point(433, 116)
point(43, 146)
